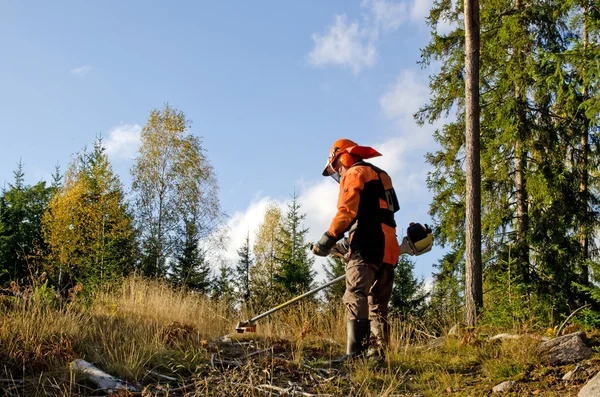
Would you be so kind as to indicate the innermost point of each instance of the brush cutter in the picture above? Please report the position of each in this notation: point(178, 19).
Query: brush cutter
point(340, 250)
point(419, 239)
point(249, 326)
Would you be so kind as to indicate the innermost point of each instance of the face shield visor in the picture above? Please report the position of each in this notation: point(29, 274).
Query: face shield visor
point(330, 171)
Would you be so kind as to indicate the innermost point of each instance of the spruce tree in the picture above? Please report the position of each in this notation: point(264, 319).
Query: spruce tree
point(334, 268)
point(295, 272)
point(242, 270)
point(222, 288)
point(21, 210)
point(88, 226)
point(446, 295)
point(408, 293)
point(189, 267)
point(529, 182)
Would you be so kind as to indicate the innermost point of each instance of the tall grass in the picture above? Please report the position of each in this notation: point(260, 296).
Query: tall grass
point(139, 325)
point(125, 330)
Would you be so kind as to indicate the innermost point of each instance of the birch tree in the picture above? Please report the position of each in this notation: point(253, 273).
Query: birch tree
point(175, 190)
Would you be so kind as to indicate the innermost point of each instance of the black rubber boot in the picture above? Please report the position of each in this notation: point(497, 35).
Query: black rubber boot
point(380, 339)
point(358, 334)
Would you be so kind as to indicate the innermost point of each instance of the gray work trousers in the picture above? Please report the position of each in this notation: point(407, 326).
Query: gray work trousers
point(367, 296)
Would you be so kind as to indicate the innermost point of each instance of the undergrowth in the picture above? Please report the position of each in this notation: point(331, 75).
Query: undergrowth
point(143, 331)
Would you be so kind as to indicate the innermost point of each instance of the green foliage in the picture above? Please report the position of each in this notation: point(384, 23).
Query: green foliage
point(295, 273)
point(509, 304)
point(21, 210)
point(222, 286)
point(174, 187)
point(334, 267)
point(88, 226)
point(538, 147)
point(242, 270)
point(446, 297)
point(190, 268)
point(408, 294)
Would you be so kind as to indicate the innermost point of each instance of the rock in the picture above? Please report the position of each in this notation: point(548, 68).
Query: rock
point(566, 349)
point(504, 336)
point(569, 376)
point(226, 339)
point(592, 388)
point(577, 372)
point(436, 343)
point(504, 386)
point(454, 330)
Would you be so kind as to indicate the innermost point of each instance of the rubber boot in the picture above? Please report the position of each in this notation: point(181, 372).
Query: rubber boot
point(380, 338)
point(357, 340)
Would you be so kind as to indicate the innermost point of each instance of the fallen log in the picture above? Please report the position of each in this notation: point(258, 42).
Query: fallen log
point(104, 381)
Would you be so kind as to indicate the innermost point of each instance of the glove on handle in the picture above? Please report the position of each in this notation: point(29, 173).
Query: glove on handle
point(324, 245)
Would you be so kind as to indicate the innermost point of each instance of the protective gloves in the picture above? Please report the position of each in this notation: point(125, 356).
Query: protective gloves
point(324, 245)
point(405, 247)
point(341, 248)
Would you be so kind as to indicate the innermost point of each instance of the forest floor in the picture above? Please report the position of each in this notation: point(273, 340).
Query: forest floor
point(169, 343)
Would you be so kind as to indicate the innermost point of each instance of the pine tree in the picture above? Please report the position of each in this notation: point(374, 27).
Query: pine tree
point(295, 273)
point(473, 268)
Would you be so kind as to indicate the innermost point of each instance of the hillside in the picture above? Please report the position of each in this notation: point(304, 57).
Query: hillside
point(164, 342)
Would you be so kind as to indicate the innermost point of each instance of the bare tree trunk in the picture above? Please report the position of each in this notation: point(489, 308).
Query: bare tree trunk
point(522, 227)
point(583, 187)
point(473, 276)
point(522, 249)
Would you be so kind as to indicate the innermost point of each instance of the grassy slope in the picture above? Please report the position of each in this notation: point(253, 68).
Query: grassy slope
point(145, 326)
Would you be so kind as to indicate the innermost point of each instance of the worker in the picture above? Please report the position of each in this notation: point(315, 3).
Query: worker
point(365, 209)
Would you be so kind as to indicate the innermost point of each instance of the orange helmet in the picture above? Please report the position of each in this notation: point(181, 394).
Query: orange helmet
point(344, 150)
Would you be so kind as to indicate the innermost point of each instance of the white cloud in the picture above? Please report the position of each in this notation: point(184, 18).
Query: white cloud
point(402, 159)
point(343, 44)
point(419, 9)
point(82, 70)
point(243, 222)
point(405, 97)
point(354, 44)
point(388, 15)
point(123, 141)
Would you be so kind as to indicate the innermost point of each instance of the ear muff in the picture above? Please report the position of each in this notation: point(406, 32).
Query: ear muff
point(346, 159)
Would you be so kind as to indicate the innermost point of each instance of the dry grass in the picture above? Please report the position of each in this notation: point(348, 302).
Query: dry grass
point(143, 328)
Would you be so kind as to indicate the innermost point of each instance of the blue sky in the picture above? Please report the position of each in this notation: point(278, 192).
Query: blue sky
point(269, 86)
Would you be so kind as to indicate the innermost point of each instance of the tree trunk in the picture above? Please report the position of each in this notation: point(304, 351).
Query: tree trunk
point(522, 248)
point(522, 226)
point(583, 187)
point(473, 273)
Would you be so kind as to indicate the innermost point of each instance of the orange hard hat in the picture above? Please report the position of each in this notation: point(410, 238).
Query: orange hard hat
point(342, 149)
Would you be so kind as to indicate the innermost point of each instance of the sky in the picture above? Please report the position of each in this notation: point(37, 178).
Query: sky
point(268, 86)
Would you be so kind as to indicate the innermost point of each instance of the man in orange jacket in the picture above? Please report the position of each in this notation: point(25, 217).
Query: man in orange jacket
point(366, 206)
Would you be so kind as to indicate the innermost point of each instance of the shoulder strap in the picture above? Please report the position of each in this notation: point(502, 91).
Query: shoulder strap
point(389, 193)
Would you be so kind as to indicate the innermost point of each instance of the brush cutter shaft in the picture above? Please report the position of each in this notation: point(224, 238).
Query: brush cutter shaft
point(312, 291)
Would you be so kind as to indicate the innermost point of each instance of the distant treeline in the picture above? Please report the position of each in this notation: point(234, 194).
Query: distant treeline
point(83, 230)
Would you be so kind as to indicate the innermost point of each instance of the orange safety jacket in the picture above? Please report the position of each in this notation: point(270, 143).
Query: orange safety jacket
point(366, 205)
